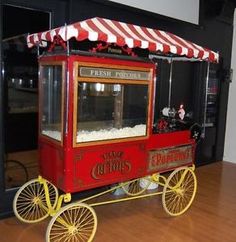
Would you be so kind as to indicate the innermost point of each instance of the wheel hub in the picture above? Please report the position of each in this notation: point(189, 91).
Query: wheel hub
point(180, 191)
point(72, 230)
point(36, 200)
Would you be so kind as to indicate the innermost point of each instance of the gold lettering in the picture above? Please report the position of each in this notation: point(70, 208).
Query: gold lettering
point(113, 162)
point(166, 158)
point(113, 73)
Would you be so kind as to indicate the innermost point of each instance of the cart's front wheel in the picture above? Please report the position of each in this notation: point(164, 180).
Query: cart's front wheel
point(74, 222)
point(29, 204)
point(179, 191)
point(136, 187)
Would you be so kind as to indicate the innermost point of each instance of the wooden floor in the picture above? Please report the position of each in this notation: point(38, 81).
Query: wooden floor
point(211, 218)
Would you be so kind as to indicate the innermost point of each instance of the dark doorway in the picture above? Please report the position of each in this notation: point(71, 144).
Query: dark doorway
point(20, 93)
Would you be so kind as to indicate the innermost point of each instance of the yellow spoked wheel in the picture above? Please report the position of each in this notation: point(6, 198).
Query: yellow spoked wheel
point(136, 187)
point(74, 222)
point(179, 191)
point(29, 204)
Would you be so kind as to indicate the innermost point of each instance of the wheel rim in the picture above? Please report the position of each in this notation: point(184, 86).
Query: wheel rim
point(133, 187)
point(30, 205)
point(74, 222)
point(179, 191)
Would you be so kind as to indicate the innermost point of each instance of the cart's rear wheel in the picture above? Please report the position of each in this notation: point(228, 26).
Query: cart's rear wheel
point(74, 222)
point(29, 203)
point(179, 191)
point(136, 187)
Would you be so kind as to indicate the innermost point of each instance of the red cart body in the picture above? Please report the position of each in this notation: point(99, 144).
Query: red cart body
point(74, 165)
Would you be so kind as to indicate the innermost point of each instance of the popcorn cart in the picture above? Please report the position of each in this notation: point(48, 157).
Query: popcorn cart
point(97, 129)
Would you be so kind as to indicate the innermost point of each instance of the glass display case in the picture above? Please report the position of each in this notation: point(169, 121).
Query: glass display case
point(110, 103)
point(51, 100)
point(110, 111)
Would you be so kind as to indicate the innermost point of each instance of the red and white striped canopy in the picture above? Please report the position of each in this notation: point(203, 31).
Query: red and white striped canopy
point(110, 31)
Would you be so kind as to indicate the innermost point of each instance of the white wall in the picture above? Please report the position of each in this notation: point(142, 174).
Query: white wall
point(230, 136)
point(186, 10)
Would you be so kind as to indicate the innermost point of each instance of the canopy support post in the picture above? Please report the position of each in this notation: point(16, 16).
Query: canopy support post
point(67, 41)
point(38, 52)
point(170, 82)
point(205, 101)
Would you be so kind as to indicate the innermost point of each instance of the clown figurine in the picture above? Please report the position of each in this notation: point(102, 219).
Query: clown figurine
point(181, 111)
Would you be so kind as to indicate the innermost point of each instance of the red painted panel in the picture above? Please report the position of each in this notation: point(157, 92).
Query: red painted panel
point(51, 162)
point(169, 139)
point(79, 169)
point(98, 166)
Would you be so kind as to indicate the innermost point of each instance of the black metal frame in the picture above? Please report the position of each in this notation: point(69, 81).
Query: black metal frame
point(1, 105)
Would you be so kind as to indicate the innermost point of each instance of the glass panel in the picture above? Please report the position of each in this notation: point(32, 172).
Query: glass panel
point(19, 80)
point(51, 123)
point(111, 111)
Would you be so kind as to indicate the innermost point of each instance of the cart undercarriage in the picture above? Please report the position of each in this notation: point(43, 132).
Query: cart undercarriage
point(77, 221)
